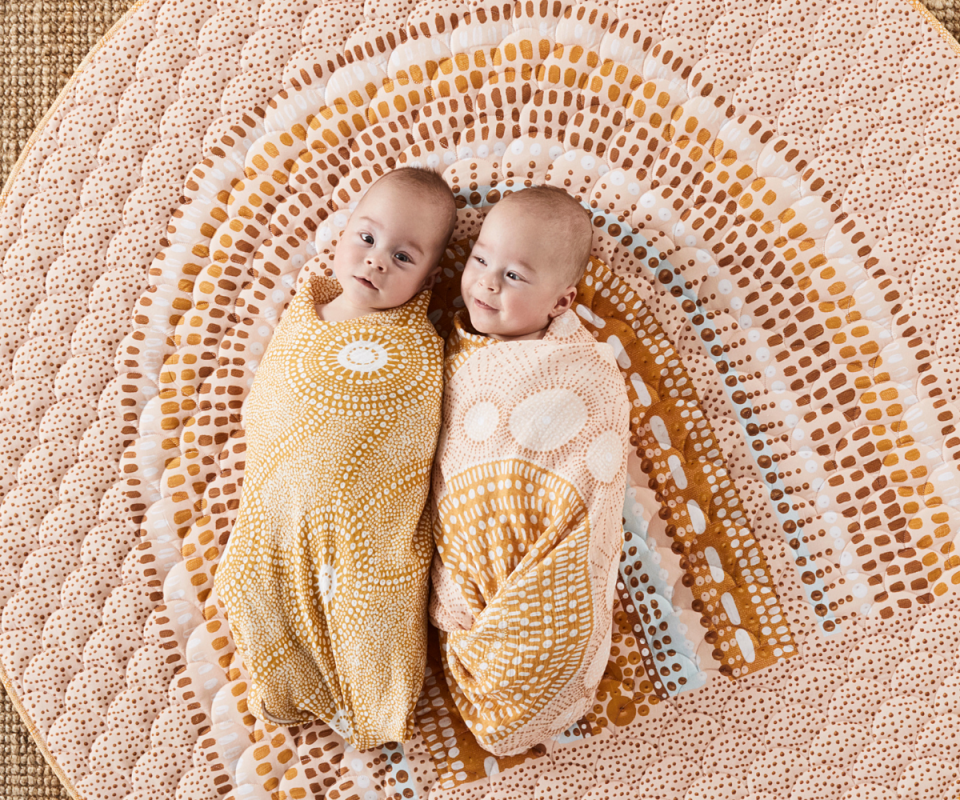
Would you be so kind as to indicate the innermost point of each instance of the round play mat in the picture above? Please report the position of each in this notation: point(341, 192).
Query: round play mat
point(775, 188)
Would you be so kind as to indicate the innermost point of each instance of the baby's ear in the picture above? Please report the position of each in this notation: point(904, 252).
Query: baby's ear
point(564, 302)
point(432, 276)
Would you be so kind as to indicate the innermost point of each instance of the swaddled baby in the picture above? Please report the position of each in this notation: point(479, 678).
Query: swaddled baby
point(325, 575)
point(529, 481)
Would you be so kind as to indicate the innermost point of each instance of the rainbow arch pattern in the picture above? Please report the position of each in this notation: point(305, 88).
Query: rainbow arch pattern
point(776, 231)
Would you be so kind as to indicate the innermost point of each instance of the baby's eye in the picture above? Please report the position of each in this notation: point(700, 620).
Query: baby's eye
point(513, 276)
point(366, 238)
point(404, 258)
point(480, 260)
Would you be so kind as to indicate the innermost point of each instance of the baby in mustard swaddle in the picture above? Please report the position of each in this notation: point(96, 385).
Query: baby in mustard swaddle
point(325, 576)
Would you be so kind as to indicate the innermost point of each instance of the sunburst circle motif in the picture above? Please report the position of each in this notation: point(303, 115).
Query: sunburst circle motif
point(363, 356)
point(767, 259)
point(327, 582)
point(358, 372)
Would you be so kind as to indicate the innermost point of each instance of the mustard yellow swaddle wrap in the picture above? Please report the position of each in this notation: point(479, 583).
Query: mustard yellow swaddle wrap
point(528, 485)
point(326, 573)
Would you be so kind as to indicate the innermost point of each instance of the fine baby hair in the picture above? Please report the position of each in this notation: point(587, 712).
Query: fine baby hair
point(563, 219)
point(431, 186)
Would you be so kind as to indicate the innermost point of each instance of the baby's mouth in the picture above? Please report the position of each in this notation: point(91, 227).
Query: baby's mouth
point(365, 283)
point(483, 305)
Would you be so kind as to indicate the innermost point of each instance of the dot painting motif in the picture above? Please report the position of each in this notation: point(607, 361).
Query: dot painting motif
point(322, 587)
point(527, 624)
point(775, 189)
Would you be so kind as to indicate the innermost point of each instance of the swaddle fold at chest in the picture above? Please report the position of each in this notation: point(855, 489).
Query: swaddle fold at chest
point(528, 490)
point(325, 575)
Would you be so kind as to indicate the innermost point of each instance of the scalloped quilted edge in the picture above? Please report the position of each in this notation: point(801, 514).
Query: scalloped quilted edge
point(67, 90)
point(15, 173)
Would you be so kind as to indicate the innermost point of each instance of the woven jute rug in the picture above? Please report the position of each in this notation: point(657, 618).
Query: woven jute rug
point(23, 771)
point(948, 12)
point(41, 44)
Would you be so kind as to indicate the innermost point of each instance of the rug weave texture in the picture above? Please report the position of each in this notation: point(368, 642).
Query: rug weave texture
point(41, 44)
point(23, 771)
point(948, 12)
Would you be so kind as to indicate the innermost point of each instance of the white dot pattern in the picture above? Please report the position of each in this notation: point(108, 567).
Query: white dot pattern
point(527, 534)
point(325, 577)
point(800, 158)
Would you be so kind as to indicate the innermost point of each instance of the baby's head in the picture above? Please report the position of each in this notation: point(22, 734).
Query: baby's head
point(394, 239)
point(529, 257)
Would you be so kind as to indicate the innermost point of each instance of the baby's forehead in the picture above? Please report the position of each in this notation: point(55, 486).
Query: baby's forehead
point(529, 218)
point(395, 199)
point(408, 213)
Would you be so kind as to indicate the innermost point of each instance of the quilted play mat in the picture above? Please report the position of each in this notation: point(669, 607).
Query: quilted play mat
point(775, 189)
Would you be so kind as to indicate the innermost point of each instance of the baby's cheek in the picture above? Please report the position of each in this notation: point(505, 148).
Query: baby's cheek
point(518, 308)
point(469, 277)
point(343, 255)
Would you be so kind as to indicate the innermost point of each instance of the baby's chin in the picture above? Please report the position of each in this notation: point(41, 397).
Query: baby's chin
point(478, 326)
point(500, 331)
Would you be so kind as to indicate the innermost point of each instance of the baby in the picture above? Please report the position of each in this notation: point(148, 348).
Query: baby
point(529, 481)
point(326, 573)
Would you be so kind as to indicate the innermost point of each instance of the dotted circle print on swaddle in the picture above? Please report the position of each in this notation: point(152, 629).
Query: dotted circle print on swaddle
point(775, 198)
point(382, 359)
point(363, 356)
point(548, 419)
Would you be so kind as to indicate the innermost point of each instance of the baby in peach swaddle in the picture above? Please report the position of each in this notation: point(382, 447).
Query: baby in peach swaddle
point(326, 572)
point(529, 481)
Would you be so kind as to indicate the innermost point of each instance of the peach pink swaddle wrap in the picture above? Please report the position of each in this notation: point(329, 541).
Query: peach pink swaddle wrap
point(528, 486)
point(326, 572)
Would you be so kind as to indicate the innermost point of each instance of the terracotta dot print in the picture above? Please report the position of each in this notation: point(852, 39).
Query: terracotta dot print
point(775, 196)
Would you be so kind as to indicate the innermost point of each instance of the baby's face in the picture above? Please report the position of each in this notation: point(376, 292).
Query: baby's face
point(389, 249)
point(513, 282)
